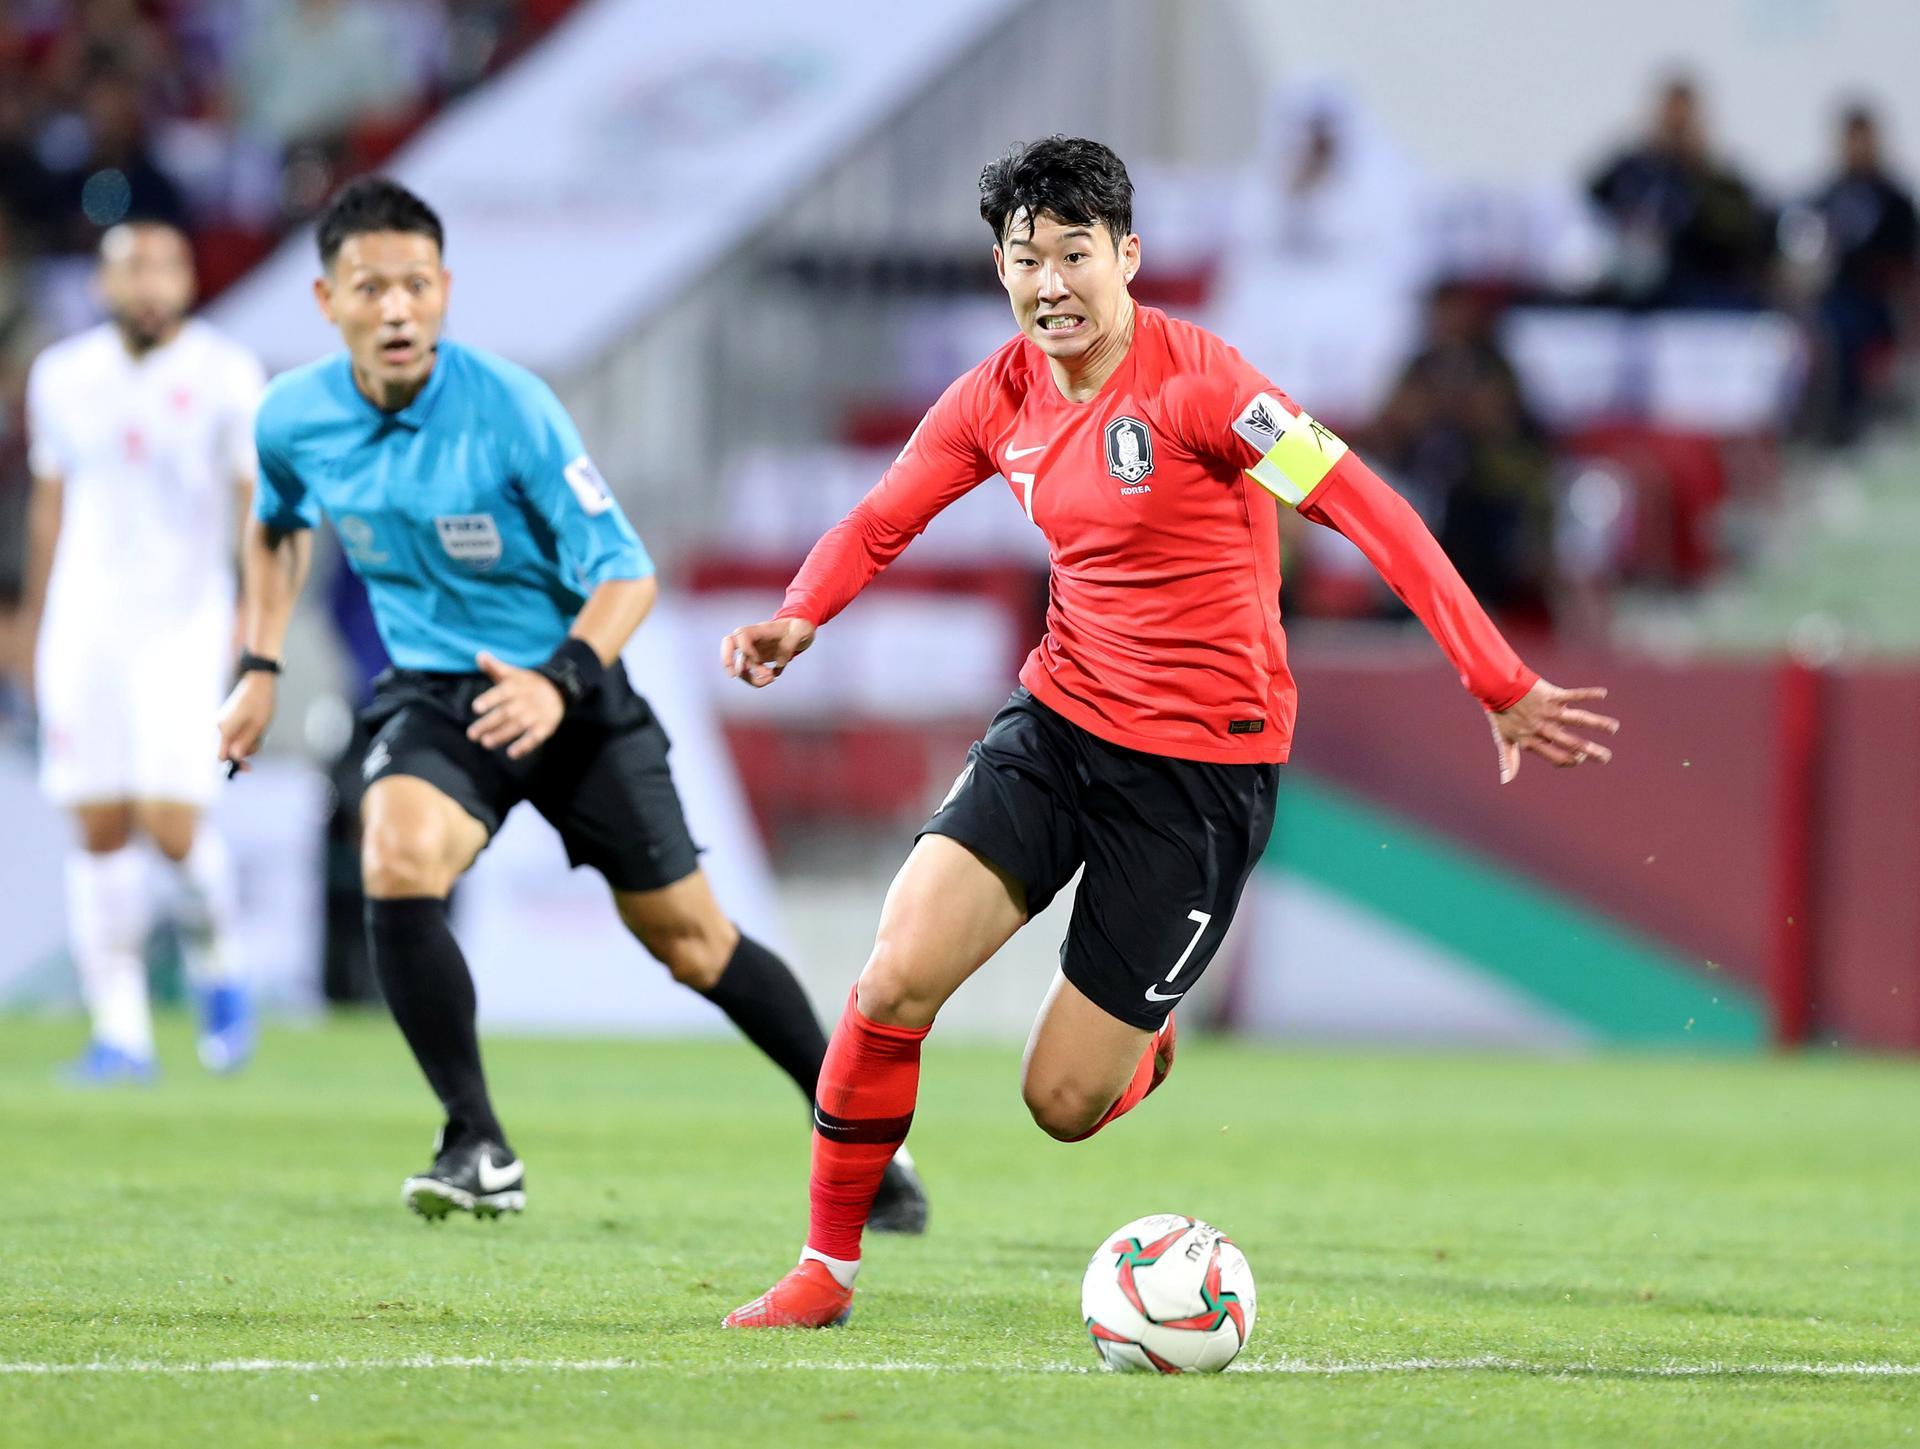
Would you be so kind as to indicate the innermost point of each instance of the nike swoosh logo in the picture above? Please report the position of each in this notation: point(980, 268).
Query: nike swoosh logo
point(494, 1179)
point(1013, 453)
point(1154, 993)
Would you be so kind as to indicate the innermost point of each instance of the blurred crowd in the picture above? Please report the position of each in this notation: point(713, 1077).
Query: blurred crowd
point(1695, 233)
point(223, 114)
point(1344, 273)
point(232, 118)
point(1408, 344)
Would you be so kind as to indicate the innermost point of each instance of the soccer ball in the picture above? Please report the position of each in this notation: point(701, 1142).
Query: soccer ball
point(1168, 1294)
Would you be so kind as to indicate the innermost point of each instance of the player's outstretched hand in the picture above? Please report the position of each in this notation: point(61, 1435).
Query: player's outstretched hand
point(758, 652)
point(1544, 721)
point(244, 718)
point(521, 711)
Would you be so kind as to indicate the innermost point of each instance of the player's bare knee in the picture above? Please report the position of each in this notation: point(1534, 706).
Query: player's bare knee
point(698, 965)
point(397, 862)
point(684, 930)
point(103, 830)
point(1062, 1110)
point(696, 955)
point(888, 992)
point(175, 845)
point(104, 840)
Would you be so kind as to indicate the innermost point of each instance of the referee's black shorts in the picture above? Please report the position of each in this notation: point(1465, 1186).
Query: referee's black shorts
point(1167, 844)
point(602, 780)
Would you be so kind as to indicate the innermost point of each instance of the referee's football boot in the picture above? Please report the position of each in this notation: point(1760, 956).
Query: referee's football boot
point(901, 1204)
point(478, 1176)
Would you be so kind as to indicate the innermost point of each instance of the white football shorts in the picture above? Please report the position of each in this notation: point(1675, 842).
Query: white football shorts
point(127, 707)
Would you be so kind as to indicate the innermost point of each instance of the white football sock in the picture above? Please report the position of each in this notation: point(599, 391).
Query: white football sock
point(207, 904)
point(107, 918)
point(844, 1270)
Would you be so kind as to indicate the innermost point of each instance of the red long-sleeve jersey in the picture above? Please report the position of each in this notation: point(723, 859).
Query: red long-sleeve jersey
point(1158, 498)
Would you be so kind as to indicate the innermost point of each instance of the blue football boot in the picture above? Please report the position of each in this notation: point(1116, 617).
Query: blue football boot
point(104, 1065)
point(226, 1037)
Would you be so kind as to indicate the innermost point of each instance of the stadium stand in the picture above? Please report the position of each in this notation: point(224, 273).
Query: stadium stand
point(1616, 441)
point(234, 120)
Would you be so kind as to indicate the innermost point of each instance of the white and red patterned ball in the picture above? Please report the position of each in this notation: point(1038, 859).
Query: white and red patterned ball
point(1168, 1294)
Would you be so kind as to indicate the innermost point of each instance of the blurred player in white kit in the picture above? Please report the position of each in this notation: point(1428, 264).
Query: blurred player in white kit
point(141, 433)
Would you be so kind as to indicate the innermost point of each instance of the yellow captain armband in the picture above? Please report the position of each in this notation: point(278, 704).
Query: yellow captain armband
point(1296, 452)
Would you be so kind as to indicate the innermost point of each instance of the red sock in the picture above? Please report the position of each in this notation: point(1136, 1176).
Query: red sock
point(1129, 1099)
point(861, 1112)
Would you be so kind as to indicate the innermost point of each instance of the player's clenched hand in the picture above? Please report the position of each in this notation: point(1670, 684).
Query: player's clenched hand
point(245, 716)
point(521, 711)
point(1546, 720)
point(758, 652)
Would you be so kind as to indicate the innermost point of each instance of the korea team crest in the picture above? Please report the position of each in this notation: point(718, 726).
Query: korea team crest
point(1129, 449)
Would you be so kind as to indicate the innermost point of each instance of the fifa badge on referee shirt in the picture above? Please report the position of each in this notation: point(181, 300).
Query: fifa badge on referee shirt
point(470, 538)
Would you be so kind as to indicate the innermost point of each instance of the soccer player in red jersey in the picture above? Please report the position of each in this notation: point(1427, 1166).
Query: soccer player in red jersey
point(1145, 739)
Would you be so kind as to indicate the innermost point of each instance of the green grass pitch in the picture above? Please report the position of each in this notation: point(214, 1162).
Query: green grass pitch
point(1449, 1250)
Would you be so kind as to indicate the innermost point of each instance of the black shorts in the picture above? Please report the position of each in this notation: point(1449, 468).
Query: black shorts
point(602, 780)
point(1168, 845)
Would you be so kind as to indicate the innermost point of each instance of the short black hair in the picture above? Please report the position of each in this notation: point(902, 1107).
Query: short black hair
point(374, 203)
point(1680, 85)
point(1859, 115)
point(1077, 180)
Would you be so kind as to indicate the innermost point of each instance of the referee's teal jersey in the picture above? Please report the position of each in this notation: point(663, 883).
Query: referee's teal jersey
point(473, 513)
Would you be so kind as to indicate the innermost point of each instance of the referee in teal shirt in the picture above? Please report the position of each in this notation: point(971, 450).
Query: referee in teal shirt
point(505, 581)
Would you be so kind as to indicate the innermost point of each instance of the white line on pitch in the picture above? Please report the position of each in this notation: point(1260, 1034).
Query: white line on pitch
point(1589, 1368)
point(1303, 1367)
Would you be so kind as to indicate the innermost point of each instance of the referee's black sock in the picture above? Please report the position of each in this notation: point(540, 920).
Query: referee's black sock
point(759, 992)
point(428, 988)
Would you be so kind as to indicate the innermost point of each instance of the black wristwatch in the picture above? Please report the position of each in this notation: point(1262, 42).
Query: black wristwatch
point(257, 664)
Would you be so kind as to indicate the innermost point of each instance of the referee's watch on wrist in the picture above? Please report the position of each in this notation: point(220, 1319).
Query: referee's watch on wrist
point(251, 663)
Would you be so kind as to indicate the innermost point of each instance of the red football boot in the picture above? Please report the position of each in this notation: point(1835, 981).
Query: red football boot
point(808, 1297)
